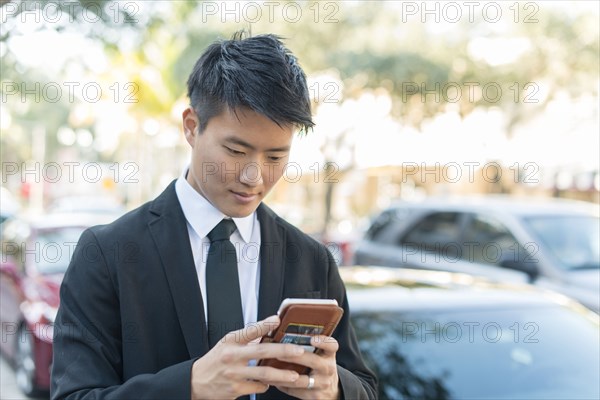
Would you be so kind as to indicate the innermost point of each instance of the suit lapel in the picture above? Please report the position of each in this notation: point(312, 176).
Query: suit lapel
point(272, 273)
point(272, 254)
point(169, 231)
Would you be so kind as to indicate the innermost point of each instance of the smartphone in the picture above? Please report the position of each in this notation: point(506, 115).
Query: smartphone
point(301, 319)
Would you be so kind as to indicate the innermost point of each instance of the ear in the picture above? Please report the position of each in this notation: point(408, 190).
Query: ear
point(191, 125)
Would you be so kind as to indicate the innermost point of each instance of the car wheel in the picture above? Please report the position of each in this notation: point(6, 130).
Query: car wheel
point(25, 363)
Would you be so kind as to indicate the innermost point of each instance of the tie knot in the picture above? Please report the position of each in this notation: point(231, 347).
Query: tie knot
point(222, 231)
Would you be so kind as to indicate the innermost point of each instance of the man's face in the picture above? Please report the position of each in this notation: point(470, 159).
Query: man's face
point(236, 162)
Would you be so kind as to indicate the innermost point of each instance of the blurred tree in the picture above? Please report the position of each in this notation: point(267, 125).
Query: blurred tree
point(372, 48)
point(155, 45)
point(34, 96)
point(63, 15)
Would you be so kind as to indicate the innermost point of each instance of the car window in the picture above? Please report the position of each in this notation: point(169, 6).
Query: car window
point(573, 240)
point(438, 232)
point(386, 224)
point(379, 224)
point(488, 241)
point(481, 354)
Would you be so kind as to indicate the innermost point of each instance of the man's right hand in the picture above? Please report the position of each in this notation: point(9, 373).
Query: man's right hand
point(223, 373)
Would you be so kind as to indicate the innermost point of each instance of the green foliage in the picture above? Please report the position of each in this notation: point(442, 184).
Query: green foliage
point(368, 44)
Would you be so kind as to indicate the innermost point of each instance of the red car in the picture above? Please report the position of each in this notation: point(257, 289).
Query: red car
point(35, 254)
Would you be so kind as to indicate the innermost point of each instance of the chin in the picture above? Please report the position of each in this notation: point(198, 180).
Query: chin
point(240, 212)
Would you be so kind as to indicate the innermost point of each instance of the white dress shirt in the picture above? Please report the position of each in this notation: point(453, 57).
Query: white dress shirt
point(201, 218)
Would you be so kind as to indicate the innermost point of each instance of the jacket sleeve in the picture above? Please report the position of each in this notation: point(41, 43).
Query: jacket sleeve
point(356, 380)
point(87, 358)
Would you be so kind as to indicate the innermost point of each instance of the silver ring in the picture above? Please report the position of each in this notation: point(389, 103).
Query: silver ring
point(311, 382)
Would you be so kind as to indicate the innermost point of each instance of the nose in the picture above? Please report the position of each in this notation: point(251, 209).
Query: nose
point(251, 174)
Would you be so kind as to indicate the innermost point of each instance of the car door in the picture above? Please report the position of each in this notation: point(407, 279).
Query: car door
point(433, 241)
point(491, 248)
point(459, 241)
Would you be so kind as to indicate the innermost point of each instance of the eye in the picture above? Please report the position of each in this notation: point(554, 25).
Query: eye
point(277, 156)
point(234, 152)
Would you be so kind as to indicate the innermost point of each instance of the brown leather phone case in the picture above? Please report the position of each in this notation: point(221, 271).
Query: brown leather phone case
point(299, 322)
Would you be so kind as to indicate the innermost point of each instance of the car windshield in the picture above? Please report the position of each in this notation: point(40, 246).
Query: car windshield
point(544, 353)
point(573, 240)
point(55, 249)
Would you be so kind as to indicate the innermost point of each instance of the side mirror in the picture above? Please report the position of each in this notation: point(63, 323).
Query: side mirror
point(527, 266)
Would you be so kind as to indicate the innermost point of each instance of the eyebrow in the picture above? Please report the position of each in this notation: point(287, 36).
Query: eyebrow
point(251, 147)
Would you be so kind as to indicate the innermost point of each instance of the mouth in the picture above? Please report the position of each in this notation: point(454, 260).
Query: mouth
point(244, 197)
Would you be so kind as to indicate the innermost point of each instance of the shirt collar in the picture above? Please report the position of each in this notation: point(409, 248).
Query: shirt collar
point(202, 215)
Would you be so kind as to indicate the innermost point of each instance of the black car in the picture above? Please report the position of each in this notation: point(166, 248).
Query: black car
point(440, 335)
point(551, 243)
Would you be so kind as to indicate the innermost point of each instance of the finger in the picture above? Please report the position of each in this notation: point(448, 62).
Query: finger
point(250, 387)
point(299, 384)
point(270, 350)
point(318, 363)
point(327, 348)
point(300, 387)
point(302, 382)
point(328, 345)
point(268, 375)
point(252, 331)
point(319, 382)
point(310, 360)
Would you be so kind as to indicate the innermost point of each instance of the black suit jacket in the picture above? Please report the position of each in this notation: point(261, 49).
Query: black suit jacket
point(131, 319)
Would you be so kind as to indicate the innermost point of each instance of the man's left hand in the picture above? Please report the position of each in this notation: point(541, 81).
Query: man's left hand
point(323, 380)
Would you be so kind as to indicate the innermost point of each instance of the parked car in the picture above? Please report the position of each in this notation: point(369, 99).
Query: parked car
point(554, 244)
point(35, 254)
point(442, 335)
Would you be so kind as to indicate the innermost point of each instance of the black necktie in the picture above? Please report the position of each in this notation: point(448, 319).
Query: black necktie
point(223, 298)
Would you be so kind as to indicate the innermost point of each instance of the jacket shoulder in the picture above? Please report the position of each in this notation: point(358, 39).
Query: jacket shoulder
point(135, 222)
point(128, 224)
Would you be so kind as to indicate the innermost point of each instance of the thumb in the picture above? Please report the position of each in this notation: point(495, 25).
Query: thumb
point(259, 329)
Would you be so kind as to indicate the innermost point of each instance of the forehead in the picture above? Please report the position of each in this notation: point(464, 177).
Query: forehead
point(247, 127)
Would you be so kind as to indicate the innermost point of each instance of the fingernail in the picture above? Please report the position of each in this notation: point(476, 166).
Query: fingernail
point(298, 350)
point(294, 376)
point(272, 319)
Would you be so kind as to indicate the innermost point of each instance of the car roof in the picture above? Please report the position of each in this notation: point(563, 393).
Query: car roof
point(401, 289)
point(519, 206)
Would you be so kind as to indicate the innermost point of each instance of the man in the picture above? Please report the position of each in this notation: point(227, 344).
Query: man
point(138, 319)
